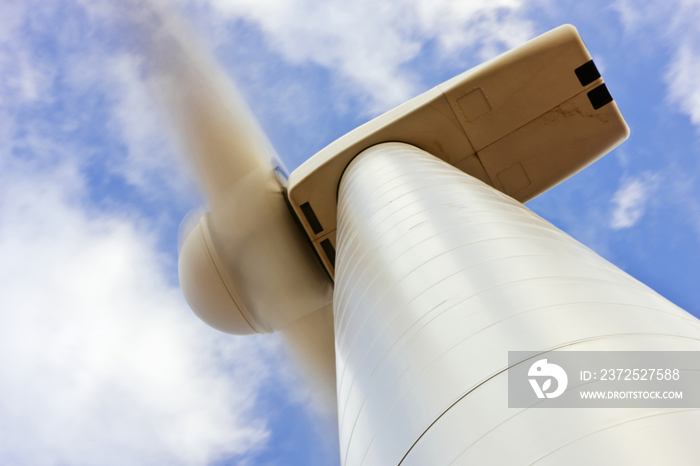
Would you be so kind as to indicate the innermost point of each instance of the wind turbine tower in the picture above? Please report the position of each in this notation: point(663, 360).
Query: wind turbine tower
point(402, 266)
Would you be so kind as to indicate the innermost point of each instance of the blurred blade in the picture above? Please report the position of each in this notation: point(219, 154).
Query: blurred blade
point(220, 133)
point(311, 342)
point(263, 255)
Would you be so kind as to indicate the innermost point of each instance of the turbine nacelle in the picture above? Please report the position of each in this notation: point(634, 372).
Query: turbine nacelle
point(522, 123)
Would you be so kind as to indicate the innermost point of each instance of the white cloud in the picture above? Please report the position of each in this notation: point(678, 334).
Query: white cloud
point(148, 160)
point(682, 79)
point(639, 14)
point(368, 43)
point(630, 200)
point(21, 78)
point(136, 118)
point(101, 362)
point(676, 23)
point(85, 72)
point(681, 75)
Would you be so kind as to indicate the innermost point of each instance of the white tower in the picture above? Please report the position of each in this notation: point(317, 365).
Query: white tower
point(438, 276)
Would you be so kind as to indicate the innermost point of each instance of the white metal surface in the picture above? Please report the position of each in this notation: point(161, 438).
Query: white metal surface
point(521, 122)
point(439, 275)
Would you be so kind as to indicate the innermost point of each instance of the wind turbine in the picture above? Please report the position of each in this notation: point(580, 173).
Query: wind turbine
point(401, 265)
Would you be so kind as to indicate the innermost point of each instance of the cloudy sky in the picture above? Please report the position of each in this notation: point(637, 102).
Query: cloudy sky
point(101, 361)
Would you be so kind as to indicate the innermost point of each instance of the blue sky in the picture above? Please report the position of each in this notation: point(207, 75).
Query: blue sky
point(101, 361)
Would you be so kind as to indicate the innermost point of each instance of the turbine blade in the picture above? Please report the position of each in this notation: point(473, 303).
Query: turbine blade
point(220, 133)
point(311, 343)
